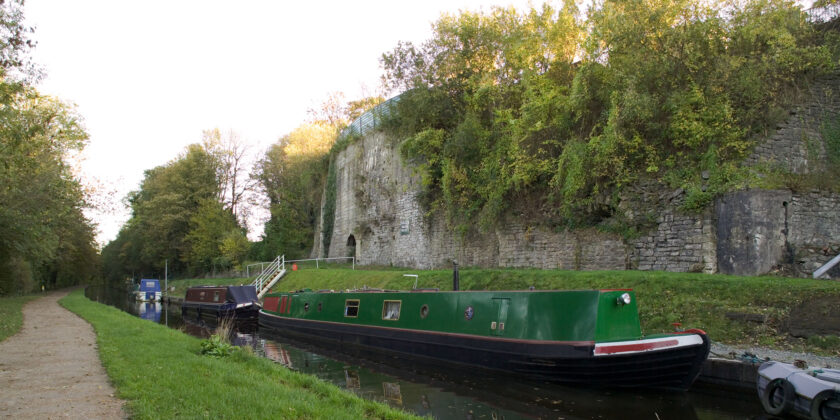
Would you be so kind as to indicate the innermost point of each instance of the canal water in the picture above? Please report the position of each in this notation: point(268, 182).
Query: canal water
point(450, 394)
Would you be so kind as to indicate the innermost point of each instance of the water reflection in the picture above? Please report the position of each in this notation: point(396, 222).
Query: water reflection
point(449, 393)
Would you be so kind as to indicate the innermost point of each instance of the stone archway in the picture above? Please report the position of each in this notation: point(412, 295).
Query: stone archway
point(351, 246)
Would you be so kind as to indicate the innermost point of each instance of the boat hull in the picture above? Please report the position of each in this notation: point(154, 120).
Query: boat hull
point(214, 311)
point(642, 363)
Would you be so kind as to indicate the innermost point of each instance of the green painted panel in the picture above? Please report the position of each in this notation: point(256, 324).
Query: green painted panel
point(617, 321)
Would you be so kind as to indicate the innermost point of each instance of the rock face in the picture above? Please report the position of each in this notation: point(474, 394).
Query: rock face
point(380, 221)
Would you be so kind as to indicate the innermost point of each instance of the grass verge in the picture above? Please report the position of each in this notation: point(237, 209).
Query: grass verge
point(160, 373)
point(695, 300)
point(11, 314)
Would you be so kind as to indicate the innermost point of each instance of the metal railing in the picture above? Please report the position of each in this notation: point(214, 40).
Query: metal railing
point(269, 275)
point(317, 260)
point(261, 264)
point(823, 14)
point(824, 269)
point(370, 120)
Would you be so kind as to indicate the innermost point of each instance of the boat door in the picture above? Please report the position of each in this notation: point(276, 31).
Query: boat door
point(498, 326)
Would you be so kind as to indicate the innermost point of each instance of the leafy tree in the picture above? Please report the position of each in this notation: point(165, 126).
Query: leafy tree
point(292, 175)
point(555, 113)
point(44, 236)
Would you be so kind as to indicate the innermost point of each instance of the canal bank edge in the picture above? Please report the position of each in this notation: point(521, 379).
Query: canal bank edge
point(160, 373)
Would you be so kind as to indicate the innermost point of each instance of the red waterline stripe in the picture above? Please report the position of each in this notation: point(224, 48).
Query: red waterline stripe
point(635, 347)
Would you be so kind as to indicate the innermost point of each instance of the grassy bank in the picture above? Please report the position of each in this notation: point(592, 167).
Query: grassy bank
point(695, 300)
point(11, 314)
point(161, 374)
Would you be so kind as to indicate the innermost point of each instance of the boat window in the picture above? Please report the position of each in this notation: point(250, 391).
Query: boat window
point(306, 307)
point(351, 308)
point(391, 310)
point(215, 296)
point(320, 305)
point(424, 311)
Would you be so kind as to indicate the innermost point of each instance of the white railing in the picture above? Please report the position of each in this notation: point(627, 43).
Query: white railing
point(317, 260)
point(270, 275)
point(822, 270)
point(261, 264)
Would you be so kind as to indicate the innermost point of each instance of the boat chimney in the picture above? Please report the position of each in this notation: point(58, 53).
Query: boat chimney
point(455, 279)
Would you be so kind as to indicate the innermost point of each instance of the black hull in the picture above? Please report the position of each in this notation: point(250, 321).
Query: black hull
point(216, 311)
point(566, 362)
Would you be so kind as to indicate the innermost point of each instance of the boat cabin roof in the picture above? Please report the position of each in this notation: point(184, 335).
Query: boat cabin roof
point(149, 285)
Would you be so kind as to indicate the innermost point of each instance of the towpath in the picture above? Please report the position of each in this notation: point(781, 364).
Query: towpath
point(51, 368)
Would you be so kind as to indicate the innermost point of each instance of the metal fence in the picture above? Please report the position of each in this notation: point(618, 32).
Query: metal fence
point(318, 261)
point(371, 120)
point(823, 14)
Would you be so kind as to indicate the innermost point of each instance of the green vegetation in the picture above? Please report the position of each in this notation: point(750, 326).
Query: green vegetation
point(695, 300)
point(554, 113)
point(161, 374)
point(292, 175)
point(44, 237)
point(182, 214)
point(11, 314)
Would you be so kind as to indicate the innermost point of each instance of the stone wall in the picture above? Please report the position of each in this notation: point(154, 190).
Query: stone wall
point(797, 144)
point(813, 232)
point(380, 221)
point(682, 242)
point(751, 231)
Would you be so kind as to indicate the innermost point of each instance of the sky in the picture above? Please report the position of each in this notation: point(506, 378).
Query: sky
point(148, 77)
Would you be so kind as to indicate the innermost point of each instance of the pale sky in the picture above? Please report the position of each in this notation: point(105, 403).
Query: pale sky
point(149, 76)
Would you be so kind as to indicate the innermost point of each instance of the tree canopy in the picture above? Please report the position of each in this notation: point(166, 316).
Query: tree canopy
point(559, 111)
point(45, 239)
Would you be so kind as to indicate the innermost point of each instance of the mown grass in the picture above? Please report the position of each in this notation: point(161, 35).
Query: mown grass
point(11, 314)
point(693, 299)
point(160, 373)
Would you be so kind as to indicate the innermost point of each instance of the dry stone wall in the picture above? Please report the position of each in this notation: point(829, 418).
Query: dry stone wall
point(797, 144)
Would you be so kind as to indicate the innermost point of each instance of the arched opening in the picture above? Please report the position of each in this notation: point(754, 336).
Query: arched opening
point(351, 246)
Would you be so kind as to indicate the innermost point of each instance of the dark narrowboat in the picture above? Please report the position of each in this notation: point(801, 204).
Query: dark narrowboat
point(214, 302)
point(588, 337)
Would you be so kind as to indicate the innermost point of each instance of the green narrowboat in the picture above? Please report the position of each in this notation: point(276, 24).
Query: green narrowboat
point(581, 336)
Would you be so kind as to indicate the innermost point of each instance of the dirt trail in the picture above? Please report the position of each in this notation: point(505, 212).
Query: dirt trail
point(51, 368)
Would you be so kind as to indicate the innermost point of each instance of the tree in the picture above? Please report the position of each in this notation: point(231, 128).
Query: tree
point(292, 175)
point(44, 236)
point(232, 157)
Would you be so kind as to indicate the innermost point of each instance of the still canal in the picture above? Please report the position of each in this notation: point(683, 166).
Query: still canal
point(448, 394)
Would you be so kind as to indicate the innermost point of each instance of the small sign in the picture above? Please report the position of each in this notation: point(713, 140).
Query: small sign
point(404, 227)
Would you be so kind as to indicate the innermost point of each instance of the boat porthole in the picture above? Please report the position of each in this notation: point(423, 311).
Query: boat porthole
point(424, 311)
point(306, 307)
point(469, 312)
point(320, 305)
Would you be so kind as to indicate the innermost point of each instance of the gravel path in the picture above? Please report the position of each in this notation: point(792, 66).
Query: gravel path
point(724, 351)
point(51, 368)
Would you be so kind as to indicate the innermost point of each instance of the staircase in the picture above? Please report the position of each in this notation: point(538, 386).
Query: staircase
point(270, 275)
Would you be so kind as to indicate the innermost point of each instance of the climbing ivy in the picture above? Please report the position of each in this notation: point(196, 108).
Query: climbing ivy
point(328, 220)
